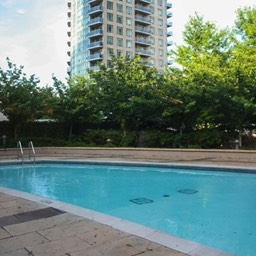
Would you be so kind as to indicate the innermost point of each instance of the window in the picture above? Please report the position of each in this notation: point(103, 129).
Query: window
point(128, 54)
point(161, 63)
point(128, 1)
point(119, 30)
point(109, 16)
point(128, 10)
point(109, 5)
point(128, 32)
point(160, 42)
point(160, 22)
point(129, 44)
point(128, 21)
point(160, 32)
point(160, 12)
point(119, 52)
point(119, 19)
point(160, 2)
point(160, 52)
point(119, 7)
point(110, 40)
point(119, 42)
point(109, 63)
point(110, 28)
point(110, 52)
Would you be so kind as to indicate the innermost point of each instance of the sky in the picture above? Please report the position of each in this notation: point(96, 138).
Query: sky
point(33, 33)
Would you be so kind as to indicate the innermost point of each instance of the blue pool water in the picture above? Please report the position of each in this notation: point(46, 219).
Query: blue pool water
point(217, 209)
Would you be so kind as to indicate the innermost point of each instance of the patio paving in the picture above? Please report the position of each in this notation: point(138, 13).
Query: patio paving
point(29, 228)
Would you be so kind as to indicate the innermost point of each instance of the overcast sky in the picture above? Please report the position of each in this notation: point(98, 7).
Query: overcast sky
point(33, 32)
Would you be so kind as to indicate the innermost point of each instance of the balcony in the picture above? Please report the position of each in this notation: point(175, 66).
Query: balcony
point(95, 10)
point(143, 30)
point(141, 8)
point(94, 68)
point(93, 1)
point(169, 43)
point(141, 40)
point(143, 52)
point(169, 14)
point(169, 24)
point(144, 1)
point(97, 56)
point(169, 33)
point(95, 21)
point(168, 5)
point(95, 45)
point(142, 19)
point(95, 33)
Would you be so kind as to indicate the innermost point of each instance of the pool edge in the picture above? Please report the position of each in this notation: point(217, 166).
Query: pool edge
point(185, 246)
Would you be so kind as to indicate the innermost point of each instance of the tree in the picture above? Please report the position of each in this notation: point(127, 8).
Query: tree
point(128, 92)
point(74, 102)
point(19, 95)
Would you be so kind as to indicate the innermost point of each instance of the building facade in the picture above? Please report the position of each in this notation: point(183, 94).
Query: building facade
point(98, 29)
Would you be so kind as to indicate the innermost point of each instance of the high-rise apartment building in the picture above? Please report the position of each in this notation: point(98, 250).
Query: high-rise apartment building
point(100, 28)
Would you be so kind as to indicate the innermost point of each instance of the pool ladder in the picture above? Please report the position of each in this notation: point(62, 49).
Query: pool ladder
point(31, 151)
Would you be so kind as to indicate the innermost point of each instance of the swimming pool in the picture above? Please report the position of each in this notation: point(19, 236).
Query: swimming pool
point(217, 209)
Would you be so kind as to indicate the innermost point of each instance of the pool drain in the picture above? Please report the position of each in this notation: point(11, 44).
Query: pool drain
point(188, 191)
point(141, 201)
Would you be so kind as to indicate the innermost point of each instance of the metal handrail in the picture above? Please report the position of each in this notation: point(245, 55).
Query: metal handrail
point(20, 153)
point(31, 150)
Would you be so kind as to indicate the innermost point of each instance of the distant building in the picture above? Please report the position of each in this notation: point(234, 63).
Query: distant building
point(99, 28)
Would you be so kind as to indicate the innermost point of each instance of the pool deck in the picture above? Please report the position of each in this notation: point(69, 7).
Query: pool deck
point(33, 225)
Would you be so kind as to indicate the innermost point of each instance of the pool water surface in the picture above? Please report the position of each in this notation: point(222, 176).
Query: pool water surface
point(214, 208)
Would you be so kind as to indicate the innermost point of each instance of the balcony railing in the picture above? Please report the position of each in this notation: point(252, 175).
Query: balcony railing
point(95, 9)
point(168, 5)
point(142, 19)
point(95, 21)
point(142, 40)
point(97, 32)
point(97, 56)
point(145, 1)
point(95, 44)
point(143, 30)
point(143, 52)
point(169, 24)
point(142, 8)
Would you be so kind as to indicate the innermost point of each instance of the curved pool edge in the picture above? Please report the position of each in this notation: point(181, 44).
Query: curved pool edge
point(184, 246)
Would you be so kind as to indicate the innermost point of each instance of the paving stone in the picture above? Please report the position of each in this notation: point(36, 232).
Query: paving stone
point(162, 251)
point(18, 242)
point(42, 224)
point(103, 235)
point(5, 197)
point(64, 218)
point(28, 227)
point(20, 252)
point(69, 229)
point(114, 248)
point(59, 247)
point(4, 234)
point(8, 220)
point(38, 214)
point(19, 206)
